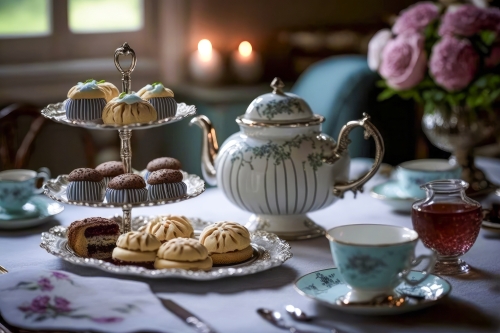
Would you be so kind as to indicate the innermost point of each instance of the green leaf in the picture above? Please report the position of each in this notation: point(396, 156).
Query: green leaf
point(386, 94)
point(102, 81)
point(488, 37)
point(89, 80)
point(381, 84)
point(155, 84)
point(122, 95)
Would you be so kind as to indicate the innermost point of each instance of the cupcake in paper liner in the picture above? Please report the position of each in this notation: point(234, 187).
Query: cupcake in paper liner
point(126, 188)
point(85, 185)
point(161, 98)
point(87, 100)
point(128, 109)
point(162, 163)
point(166, 184)
point(110, 170)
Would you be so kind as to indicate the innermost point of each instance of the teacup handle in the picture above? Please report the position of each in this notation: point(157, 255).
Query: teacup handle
point(425, 272)
point(43, 173)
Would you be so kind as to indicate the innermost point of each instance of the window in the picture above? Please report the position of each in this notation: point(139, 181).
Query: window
point(20, 18)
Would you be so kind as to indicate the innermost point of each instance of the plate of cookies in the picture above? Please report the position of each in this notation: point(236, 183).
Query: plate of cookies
point(167, 246)
point(99, 105)
point(108, 185)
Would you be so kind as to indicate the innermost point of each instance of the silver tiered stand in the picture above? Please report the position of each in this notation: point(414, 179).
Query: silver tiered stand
point(56, 188)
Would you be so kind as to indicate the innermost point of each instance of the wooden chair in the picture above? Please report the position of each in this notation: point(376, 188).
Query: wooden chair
point(16, 144)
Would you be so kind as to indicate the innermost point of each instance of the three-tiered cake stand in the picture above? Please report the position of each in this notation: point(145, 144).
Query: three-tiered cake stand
point(56, 188)
point(269, 250)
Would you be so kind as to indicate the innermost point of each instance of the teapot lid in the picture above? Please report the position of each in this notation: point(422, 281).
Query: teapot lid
point(278, 107)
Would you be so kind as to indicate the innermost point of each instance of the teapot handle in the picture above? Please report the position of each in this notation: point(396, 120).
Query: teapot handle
point(343, 143)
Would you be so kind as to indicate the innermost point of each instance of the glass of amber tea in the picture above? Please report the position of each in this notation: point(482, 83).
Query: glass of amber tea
point(447, 222)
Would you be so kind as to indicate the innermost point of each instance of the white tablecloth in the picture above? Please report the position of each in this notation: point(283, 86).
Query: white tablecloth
point(229, 305)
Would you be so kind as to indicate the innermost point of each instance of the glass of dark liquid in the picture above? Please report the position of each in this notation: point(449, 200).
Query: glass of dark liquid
point(447, 222)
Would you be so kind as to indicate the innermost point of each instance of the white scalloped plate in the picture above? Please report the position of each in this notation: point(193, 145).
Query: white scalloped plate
point(269, 251)
point(57, 113)
point(56, 190)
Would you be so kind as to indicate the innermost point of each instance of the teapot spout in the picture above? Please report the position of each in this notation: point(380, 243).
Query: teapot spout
point(209, 149)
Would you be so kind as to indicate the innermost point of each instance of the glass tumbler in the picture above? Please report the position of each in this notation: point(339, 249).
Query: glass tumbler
point(447, 222)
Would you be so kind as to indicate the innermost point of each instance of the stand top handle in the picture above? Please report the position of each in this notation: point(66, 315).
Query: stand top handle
point(125, 50)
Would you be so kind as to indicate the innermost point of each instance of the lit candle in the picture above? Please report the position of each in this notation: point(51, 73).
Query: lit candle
point(206, 63)
point(246, 63)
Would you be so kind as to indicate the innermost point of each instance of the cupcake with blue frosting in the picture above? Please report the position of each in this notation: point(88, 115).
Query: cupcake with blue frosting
point(128, 109)
point(87, 100)
point(161, 98)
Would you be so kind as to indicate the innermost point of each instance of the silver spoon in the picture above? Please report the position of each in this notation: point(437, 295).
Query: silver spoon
point(275, 318)
point(297, 313)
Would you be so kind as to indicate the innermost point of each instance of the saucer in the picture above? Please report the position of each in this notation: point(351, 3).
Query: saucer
point(391, 194)
point(36, 211)
point(327, 286)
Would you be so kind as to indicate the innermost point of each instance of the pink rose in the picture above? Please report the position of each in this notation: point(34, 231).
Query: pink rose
point(404, 61)
point(453, 63)
point(494, 58)
point(416, 17)
point(462, 20)
point(491, 19)
point(376, 46)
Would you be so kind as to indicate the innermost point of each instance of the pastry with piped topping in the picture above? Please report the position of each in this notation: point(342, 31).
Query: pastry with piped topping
point(126, 188)
point(93, 237)
point(227, 243)
point(87, 100)
point(183, 253)
point(167, 227)
point(166, 184)
point(161, 98)
point(128, 109)
point(86, 185)
point(136, 248)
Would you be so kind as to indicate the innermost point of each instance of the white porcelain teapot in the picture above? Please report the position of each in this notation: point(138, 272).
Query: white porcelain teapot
point(280, 166)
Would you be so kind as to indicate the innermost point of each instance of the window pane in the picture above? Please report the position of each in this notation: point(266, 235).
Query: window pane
point(92, 16)
point(20, 18)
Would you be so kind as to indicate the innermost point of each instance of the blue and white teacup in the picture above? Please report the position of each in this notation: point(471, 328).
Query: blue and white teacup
point(17, 186)
point(374, 259)
point(413, 174)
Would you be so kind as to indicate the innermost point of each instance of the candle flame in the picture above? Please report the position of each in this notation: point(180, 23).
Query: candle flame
point(205, 49)
point(245, 49)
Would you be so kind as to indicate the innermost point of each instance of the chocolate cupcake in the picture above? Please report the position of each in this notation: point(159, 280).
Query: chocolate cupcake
point(126, 188)
point(162, 163)
point(161, 98)
point(109, 170)
point(166, 184)
point(87, 100)
point(136, 248)
point(85, 185)
point(93, 237)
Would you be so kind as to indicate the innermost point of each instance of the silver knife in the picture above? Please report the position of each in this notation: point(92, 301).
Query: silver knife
point(187, 316)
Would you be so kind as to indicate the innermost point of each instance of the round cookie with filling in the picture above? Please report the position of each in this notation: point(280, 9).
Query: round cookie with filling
point(167, 227)
point(183, 253)
point(126, 188)
point(128, 109)
point(227, 242)
point(161, 98)
point(136, 248)
point(86, 100)
point(85, 185)
point(110, 169)
point(166, 184)
point(93, 237)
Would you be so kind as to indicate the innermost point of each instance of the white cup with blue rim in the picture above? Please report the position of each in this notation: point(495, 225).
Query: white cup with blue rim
point(374, 259)
point(413, 174)
point(17, 186)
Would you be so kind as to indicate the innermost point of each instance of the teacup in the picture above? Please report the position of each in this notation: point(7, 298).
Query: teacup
point(17, 186)
point(412, 174)
point(374, 259)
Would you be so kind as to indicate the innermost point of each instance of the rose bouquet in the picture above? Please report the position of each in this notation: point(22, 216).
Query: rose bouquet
point(440, 56)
